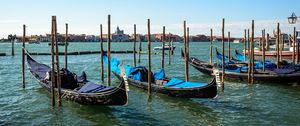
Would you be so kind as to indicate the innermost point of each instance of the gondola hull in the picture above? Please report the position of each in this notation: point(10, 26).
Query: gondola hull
point(267, 76)
point(114, 96)
point(209, 91)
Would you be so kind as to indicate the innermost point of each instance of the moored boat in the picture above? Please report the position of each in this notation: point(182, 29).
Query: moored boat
point(137, 76)
point(79, 89)
point(285, 54)
point(165, 47)
point(236, 41)
point(286, 75)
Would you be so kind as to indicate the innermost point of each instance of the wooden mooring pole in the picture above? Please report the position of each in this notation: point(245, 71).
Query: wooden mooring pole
point(23, 55)
point(249, 46)
point(66, 47)
point(267, 41)
point(58, 80)
point(210, 47)
point(277, 45)
point(187, 43)
point(249, 58)
point(223, 58)
point(108, 52)
point(297, 49)
point(185, 51)
point(253, 58)
point(294, 46)
point(163, 49)
point(52, 59)
point(172, 45)
point(282, 46)
point(140, 49)
point(245, 43)
point(101, 53)
point(13, 45)
point(263, 49)
point(229, 57)
point(149, 58)
point(169, 50)
point(134, 46)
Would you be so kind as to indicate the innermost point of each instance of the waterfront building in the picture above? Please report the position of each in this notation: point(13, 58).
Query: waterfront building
point(91, 38)
point(119, 36)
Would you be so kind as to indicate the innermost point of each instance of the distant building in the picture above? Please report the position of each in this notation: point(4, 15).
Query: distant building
point(119, 36)
point(173, 37)
point(199, 38)
point(91, 38)
point(77, 38)
point(46, 38)
point(219, 38)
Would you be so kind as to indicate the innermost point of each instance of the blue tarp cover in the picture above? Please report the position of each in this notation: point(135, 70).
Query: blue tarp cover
point(93, 88)
point(135, 74)
point(160, 75)
point(219, 56)
point(115, 65)
point(132, 72)
point(240, 56)
point(139, 73)
point(176, 83)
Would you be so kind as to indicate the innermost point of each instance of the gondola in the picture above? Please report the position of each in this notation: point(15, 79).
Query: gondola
point(268, 63)
point(165, 47)
point(239, 62)
point(171, 87)
point(79, 89)
point(281, 75)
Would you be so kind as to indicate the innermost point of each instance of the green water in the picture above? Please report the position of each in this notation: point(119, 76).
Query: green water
point(239, 104)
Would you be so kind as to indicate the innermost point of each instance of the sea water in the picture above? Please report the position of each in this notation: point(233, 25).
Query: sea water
point(239, 104)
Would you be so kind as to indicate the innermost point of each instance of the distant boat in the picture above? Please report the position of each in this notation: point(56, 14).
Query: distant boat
point(33, 42)
point(215, 40)
point(165, 47)
point(236, 41)
point(59, 43)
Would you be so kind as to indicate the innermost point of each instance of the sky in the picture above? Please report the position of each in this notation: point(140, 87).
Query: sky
point(85, 16)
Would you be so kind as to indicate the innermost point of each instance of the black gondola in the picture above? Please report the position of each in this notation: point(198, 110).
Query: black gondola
point(286, 75)
point(79, 89)
point(209, 91)
point(205, 90)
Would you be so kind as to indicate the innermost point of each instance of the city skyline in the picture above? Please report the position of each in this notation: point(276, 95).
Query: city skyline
point(84, 17)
